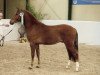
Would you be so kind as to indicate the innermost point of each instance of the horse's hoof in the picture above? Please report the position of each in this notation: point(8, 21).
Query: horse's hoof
point(77, 70)
point(30, 68)
point(37, 66)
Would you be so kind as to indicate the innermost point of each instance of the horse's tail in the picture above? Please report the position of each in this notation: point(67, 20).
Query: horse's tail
point(76, 42)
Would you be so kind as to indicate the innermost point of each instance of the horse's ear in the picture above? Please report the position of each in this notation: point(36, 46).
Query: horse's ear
point(21, 9)
point(17, 8)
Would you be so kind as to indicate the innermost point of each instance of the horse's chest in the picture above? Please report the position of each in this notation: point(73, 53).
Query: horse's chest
point(34, 37)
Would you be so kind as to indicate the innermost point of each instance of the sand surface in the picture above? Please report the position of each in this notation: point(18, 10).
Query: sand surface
point(15, 59)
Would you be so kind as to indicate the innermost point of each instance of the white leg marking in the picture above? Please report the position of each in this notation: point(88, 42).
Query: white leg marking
point(68, 64)
point(77, 66)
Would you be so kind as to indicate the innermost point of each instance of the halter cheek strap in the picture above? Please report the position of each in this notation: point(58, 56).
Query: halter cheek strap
point(22, 17)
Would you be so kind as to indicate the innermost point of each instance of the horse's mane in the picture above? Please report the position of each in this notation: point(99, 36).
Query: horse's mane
point(33, 18)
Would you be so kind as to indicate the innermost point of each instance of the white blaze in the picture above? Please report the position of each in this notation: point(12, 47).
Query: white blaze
point(22, 17)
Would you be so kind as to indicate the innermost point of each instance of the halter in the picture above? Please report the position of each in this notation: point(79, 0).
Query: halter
point(22, 17)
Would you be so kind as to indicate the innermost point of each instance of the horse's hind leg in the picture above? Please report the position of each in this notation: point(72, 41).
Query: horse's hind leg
point(69, 61)
point(38, 55)
point(69, 55)
point(73, 54)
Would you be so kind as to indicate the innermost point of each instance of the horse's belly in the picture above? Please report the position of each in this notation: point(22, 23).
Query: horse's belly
point(49, 41)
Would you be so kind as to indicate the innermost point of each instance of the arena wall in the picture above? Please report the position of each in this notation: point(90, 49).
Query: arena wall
point(88, 12)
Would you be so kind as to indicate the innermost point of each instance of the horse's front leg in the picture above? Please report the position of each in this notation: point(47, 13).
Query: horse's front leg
point(32, 45)
point(38, 55)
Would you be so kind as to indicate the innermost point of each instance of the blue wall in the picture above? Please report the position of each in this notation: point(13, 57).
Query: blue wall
point(85, 2)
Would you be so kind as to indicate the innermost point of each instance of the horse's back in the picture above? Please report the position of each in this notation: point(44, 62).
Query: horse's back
point(63, 29)
point(59, 33)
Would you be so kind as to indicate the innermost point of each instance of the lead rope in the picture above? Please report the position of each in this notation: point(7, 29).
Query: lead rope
point(3, 37)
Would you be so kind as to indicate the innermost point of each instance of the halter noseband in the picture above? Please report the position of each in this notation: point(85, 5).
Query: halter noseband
point(22, 17)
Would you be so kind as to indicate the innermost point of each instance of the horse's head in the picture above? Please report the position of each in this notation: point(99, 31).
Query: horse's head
point(16, 17)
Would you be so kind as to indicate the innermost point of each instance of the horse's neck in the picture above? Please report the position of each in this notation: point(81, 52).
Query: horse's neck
point(30, 22)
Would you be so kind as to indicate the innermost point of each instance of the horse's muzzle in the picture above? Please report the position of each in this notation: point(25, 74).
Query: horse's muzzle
point(12, 22)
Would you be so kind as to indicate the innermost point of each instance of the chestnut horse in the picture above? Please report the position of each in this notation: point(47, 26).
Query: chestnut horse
point(39, 33)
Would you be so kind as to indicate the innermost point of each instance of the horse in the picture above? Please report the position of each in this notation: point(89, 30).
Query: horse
point(21, 31)
point(39, 33)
